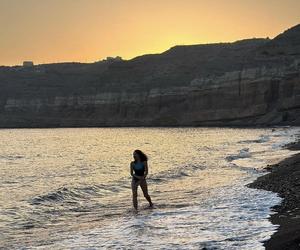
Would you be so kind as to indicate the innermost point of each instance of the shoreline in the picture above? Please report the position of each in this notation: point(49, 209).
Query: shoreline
point(284, 179)
point(252, 126)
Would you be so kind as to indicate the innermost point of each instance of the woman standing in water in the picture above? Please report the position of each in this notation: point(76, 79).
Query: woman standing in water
point(139, 171)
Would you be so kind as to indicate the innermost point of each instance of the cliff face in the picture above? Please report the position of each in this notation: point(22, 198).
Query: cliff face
point(249, 82)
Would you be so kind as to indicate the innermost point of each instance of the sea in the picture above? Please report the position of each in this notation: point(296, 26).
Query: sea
point(70, 188)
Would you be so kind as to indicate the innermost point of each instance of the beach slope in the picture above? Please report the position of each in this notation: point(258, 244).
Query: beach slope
point(284, 179)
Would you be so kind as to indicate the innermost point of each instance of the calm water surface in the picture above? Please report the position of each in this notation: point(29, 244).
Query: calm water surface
point(69, 188)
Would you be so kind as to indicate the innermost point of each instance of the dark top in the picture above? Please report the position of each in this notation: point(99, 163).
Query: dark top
point(138, 168)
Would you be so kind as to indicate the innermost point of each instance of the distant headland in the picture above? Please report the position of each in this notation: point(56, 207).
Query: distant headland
point(252, 82)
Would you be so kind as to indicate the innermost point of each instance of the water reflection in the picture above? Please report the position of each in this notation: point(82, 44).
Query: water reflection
point(71, 187)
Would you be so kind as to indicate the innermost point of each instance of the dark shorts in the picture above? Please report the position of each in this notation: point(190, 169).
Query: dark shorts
point(135, 183)
point(135, 179)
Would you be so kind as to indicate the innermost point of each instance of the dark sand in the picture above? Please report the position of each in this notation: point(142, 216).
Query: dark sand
point(284, 179)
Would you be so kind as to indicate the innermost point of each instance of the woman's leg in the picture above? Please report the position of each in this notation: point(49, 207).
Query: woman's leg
point(144, 188)
point(134, 186)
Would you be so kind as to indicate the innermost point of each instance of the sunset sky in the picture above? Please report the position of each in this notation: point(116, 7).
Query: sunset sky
point(46, 31)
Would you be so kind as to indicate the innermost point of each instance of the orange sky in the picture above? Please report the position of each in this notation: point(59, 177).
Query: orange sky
point(46, 31)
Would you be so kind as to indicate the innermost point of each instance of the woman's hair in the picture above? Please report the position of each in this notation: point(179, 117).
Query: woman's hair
point(143, 157)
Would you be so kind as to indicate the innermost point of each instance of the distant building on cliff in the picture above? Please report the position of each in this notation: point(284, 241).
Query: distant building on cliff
point(114, 59)
point(27, 64)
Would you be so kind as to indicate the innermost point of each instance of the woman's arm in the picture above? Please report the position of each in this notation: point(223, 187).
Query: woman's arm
point(146, 169)
point(131, 169)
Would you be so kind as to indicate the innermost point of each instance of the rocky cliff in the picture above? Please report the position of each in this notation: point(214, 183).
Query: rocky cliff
point(245, 83)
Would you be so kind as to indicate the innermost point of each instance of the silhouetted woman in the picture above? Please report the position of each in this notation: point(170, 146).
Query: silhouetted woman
point(139, 171)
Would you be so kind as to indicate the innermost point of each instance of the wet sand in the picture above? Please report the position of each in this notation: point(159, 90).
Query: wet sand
point(284, 179)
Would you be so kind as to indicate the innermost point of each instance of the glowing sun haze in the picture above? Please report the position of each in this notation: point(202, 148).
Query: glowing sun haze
point(47, 31)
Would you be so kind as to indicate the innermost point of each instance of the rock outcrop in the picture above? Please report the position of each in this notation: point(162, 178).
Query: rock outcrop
point(245, 83)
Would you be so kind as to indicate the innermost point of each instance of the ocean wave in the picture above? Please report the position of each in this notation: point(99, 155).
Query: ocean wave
point(262, 139)
point(234, 218)
point(243, 153)
point(73, 194)
point(76, 194)
point(176, 173)
point(11, 157)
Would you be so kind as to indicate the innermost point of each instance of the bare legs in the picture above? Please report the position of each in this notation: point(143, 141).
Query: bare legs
point(134, 186)
point(144, 187)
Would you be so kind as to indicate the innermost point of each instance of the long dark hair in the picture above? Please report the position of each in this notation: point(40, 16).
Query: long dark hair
point(143, 156)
